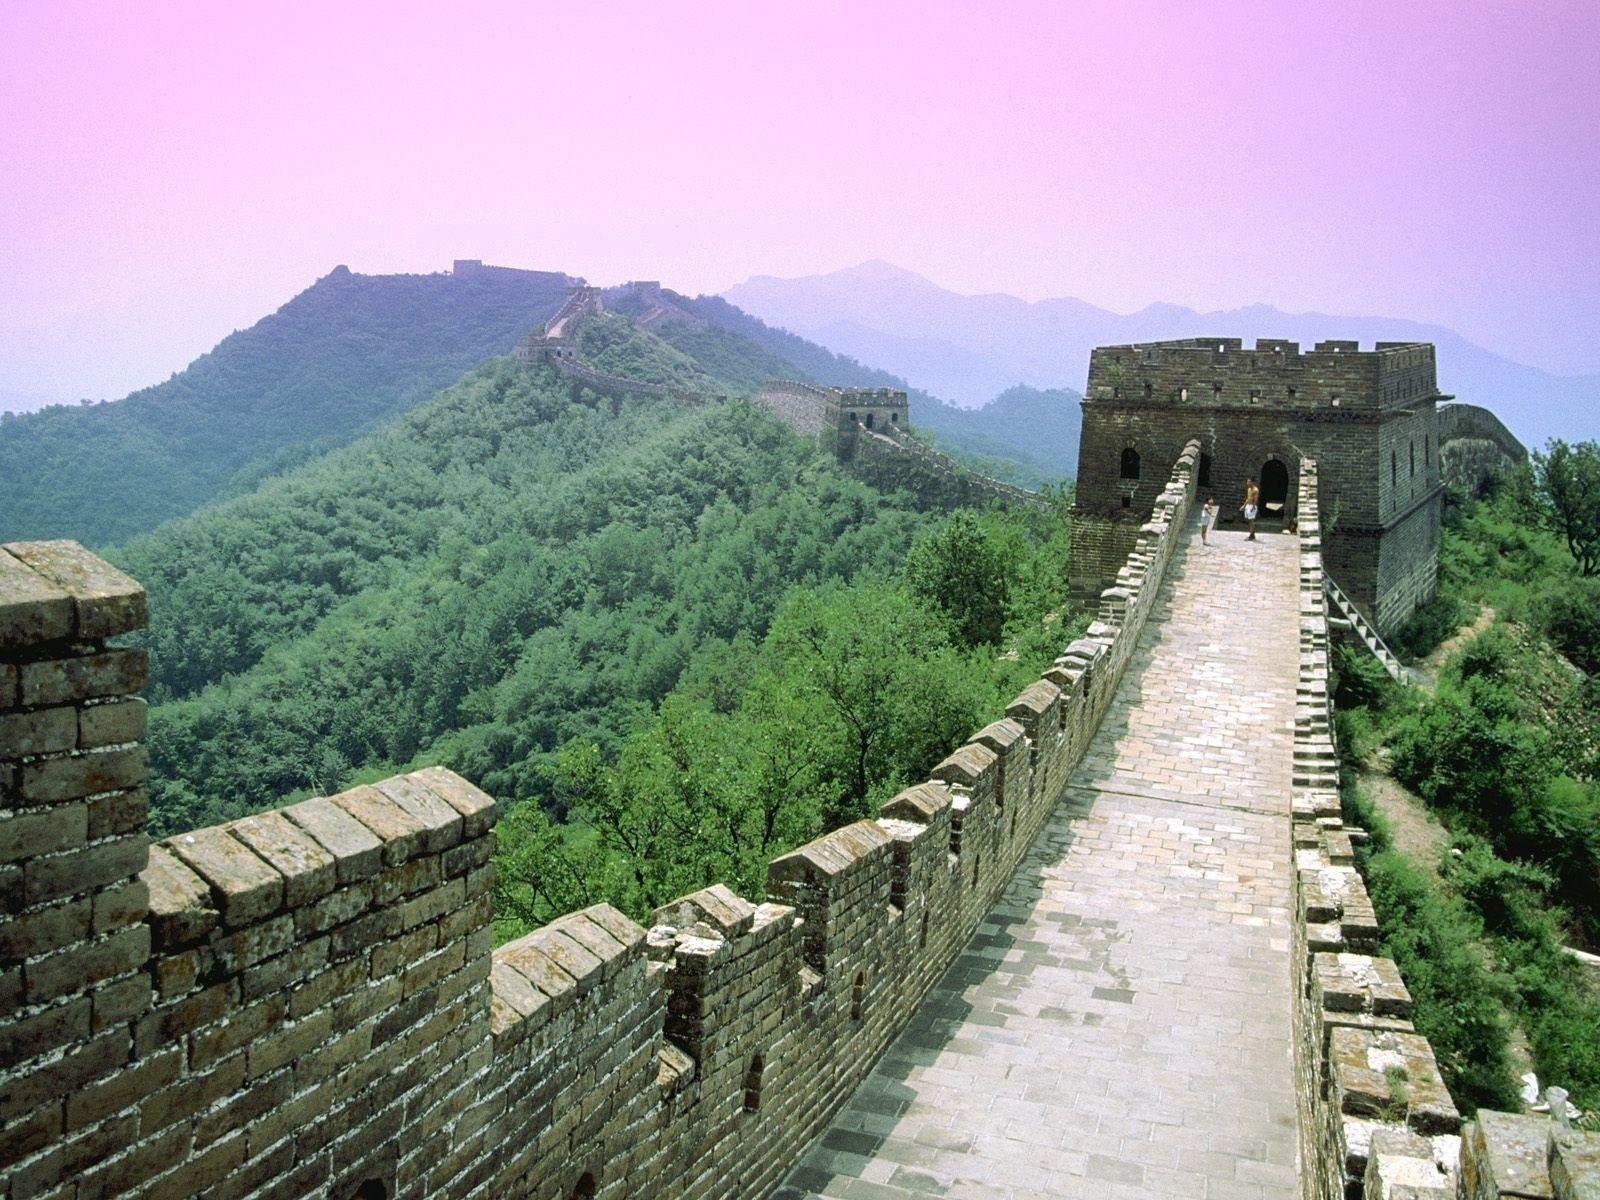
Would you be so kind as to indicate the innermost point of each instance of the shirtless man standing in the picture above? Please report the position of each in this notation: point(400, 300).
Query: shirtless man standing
point(1252, 498)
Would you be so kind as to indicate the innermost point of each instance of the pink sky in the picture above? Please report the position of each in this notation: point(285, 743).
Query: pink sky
point(170, 172)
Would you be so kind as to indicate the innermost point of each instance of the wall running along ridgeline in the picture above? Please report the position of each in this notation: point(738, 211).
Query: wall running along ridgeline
point(307, 1002)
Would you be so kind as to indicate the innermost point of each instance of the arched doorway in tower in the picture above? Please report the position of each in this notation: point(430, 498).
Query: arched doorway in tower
point(1274, 489)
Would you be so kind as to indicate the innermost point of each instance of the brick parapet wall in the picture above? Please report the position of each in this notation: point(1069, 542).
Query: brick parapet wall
point(306, 1002)
point(1366, 1080)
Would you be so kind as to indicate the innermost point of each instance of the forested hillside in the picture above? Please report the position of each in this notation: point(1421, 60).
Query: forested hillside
point(347, 354)
point(513, 578)
point(1492, 866)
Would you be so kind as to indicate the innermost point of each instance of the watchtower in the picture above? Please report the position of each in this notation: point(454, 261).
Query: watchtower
point(1368, 417)
point(883, 410)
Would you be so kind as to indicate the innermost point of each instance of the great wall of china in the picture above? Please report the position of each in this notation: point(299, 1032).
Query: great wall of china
point(870, 426)
point(308, 1002)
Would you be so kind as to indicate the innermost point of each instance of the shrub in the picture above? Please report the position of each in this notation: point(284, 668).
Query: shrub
point(1435, 620)
point(1569, 614)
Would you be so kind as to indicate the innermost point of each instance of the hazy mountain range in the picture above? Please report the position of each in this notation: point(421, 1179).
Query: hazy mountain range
point(968, 349)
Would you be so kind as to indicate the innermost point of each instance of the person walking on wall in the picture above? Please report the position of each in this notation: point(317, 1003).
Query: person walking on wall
point(1208, 518)
point(1252, 500)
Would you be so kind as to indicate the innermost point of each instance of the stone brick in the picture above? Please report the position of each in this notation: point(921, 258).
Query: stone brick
point(43, 831)
point(118, 813)
point(181, 909)
point(288, 1043)
point(123, 1089)
point(76, 871)
point(82, 966)
point(442, 823)
point(121, 1001)
point(120, 905)
point(85, 774)
point(244, 886)
point(85, 1060)
point(42, 731)
point(403, 835)
point(113, 723)
point(476, 807)
point(308, 870)
point(1575, 1165)
point(114, 672)
point(356, 850)
point(34, 1132)
point(43, 930)
point(193, 1094)
point(33, 608)
point(105, 601)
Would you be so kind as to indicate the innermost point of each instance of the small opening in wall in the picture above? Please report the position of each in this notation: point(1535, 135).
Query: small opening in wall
point(1394, 468)
point(1149, 390)
point(1216, 389)
point(977, 869)
point(1205, 470)
point(752, 1084)
point(584, 1189)
point(1413, 449)
point(372, 1189)
point(1127, 502)
point(1335, 402)
point(922, 934)
point(1130, 463)
point(858, 995)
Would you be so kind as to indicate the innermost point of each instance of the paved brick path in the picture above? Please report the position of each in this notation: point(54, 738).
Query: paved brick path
point(1120, 1024)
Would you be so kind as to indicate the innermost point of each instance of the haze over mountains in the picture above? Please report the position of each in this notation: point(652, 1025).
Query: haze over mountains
point(968, 349)
point(353, 352)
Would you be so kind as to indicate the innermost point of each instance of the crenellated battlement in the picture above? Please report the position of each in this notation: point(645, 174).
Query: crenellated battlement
point(307, 1002)
point(1274, 374)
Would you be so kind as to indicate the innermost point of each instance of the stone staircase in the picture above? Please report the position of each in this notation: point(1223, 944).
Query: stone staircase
point(1346, 615)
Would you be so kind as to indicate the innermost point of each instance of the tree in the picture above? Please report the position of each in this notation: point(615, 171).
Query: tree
point(1567, 482)
point(958, 571)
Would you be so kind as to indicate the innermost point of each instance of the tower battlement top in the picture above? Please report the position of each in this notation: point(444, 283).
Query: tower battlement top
point(1222, 371)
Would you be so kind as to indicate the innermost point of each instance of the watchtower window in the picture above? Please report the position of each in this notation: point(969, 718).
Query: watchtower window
point(1205, 470)
point(1413, 448)
point(1127, 502)
point(1130, 463)
point(1216, 390)
point(1149, 390)
point(1394, 468)
point(858, 995)
point(894, 418)
point(869, 420)
point(1427, 450)
point(922, 936)
point(752, 1084)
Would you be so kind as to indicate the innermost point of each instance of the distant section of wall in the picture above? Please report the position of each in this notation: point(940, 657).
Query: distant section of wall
point(306, 1003)
point(872, 431)
point(1475, 446)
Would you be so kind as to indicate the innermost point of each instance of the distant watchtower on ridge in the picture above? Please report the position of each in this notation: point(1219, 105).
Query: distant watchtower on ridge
point(1367, 417)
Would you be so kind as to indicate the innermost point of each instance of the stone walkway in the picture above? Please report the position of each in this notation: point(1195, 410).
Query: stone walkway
point(1120, 1024)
